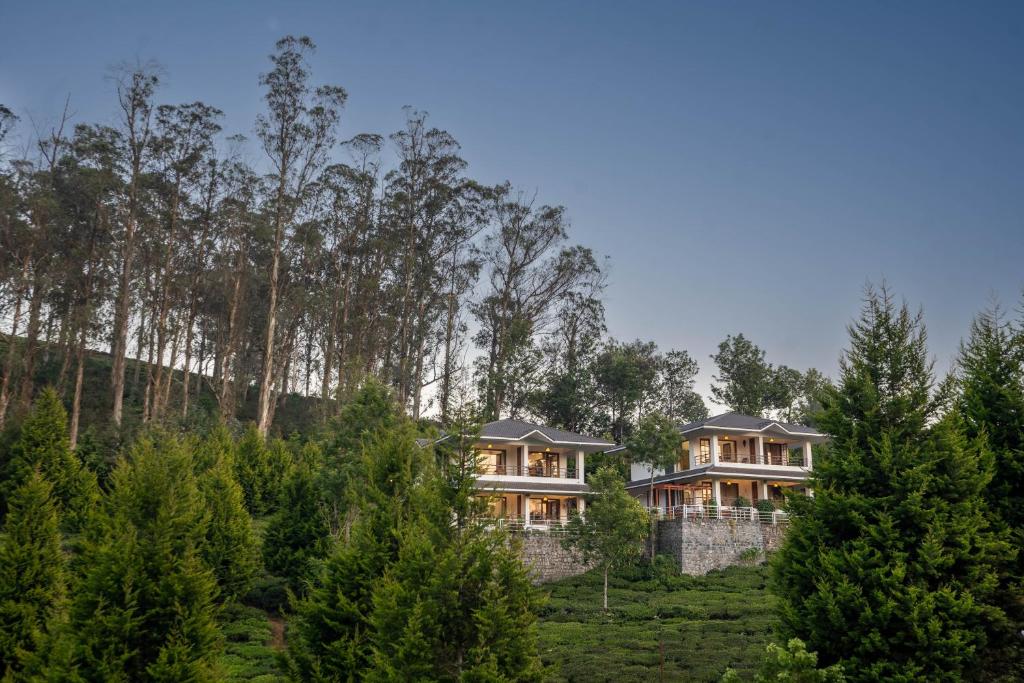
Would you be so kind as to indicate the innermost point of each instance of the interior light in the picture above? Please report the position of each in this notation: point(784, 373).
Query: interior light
point(547, 450)
point(490, 445)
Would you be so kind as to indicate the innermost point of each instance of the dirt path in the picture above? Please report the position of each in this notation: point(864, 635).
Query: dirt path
point(276, 632)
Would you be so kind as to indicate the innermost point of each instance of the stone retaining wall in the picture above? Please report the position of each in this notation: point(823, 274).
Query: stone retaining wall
point(547, 560)
point(702, 545)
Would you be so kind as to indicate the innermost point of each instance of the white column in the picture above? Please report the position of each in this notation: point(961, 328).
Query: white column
point(526, 509)
point(580, 466)
point(808, 454)
point(760, 449)
point(694, 446)
point(525, 461)
point(764, 490)
point(716, 490)
point(714, 449)
point(581, 504)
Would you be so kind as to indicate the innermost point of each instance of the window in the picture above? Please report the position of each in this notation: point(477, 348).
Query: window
point(704, 452)
point(684, 456)
point(728, 451)
point(493, 461)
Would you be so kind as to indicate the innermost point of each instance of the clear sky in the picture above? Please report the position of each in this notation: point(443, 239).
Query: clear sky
point(746, 166)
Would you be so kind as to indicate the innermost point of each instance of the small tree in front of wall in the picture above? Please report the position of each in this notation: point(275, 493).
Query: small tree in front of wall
point(612, 530)
point(655, 443)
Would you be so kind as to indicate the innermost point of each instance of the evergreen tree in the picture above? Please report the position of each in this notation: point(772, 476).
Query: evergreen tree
point(891, 568)
point(421, 590)
point(32, 578)
point(231, 548)
point(298, 534)
point(145, 608)
point(253, 470)
point(333, 619)
point(990, 378)
point(216, 447)
point(42, 444)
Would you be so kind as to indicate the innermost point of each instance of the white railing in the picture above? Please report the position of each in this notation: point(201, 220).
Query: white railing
point(698, 511)
point(521, 524)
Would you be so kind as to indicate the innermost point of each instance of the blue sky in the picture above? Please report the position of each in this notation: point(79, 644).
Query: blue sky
point(746, 166)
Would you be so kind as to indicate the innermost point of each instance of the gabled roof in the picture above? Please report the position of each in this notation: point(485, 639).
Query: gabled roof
point(747, 423)
point(520, 430)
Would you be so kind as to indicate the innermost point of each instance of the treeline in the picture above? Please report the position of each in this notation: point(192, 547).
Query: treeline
point(331, 259)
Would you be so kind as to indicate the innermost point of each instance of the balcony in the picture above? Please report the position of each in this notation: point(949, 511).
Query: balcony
point(539, 469)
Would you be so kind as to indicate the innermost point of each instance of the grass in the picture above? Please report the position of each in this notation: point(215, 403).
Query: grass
point(248, 654)
point(696, 626)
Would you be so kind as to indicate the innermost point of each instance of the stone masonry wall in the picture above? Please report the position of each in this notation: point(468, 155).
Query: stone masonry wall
point(547, 560)
point(702, 545)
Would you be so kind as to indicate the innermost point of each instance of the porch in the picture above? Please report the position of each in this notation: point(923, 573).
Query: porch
point(532, 511)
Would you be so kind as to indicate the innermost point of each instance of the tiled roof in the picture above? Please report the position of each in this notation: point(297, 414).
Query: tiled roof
point(518, 430)
point(749, 423)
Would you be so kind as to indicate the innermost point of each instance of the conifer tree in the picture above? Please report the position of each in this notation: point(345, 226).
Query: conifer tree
point(412, 595)
point(42, 443)
point(298, 534)
point(333, 619)
point(32, 577)
point(231, 548)
point(145, 610)
point(990, 378)
point(252, 467)
point(891, 567)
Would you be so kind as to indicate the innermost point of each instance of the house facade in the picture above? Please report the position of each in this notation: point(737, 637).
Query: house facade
point(533, 475)
point(729, 458)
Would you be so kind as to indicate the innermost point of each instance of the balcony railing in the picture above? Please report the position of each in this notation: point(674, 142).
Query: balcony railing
point(712, 511)
point(520, 524)
point(533, 470)
point(762, 459)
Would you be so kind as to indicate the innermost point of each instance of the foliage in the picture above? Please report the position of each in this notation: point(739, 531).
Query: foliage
point(892, 568)
point(298, 534)
point(144, 609)
point(990, 399)
point(32, 575)
point(41, 443)
point(260, 466)
point(231, 548)
point(745, 377)
point(249, 652)
point(791, 664)
point(659, 625)
point(612, 529)
point(420, 590)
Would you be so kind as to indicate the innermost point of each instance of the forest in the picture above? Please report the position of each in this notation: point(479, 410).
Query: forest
point(218, 377)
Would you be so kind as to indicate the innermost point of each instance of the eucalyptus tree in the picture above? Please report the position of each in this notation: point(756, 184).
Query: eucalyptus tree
point(136, 88)
point(182, 139)
point(296, 132)
point(529, 270)
point(430, 211)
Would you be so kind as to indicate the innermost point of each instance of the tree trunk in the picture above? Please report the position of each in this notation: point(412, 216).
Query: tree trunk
point(76, 401)
point(263, 416)
point(606, 588)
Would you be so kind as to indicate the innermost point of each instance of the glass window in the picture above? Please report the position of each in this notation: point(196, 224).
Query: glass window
point(704, 452)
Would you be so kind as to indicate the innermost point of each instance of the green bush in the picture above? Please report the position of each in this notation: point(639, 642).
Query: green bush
point(742, 502)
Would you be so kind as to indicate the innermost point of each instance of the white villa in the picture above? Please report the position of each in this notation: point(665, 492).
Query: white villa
point(533, 475)
point(729, 457)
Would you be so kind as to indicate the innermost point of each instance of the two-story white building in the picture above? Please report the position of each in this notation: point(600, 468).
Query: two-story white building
point(532, 474)
point(729, 457)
